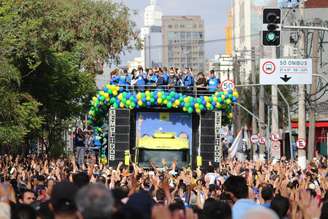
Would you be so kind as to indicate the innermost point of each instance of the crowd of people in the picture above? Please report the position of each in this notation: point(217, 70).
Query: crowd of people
point(165, 77)
point(40, 187)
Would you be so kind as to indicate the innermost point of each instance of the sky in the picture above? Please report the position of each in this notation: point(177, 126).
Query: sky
point(213, 12)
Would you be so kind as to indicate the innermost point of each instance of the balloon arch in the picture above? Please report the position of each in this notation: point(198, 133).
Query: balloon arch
point(118, 97)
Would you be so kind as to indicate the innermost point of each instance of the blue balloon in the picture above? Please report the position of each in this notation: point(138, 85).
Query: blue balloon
point(234, 99)
point(148, 103)
point(128, 95)
point(144, 99)
point(230, 91)
point(105, 89)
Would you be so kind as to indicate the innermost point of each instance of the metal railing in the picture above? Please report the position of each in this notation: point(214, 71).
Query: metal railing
point(194, 91)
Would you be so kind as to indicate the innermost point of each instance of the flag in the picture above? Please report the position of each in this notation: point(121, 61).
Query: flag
point(235, 145)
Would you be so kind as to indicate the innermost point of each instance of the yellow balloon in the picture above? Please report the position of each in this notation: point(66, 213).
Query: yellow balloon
point(223, 97)
point(230, 115)
point(185, 109)
point(228, 101)
point(115, 93)
point(159, 100)
point(139, 95)
point(120, 96)
point(139, 102)
point(215, 99)
point(147, 93)
point(159, 94)
point(177, 102)
point(235, 94)
point(148, 98)
point(121, 105)
point(208, 105)
point(197, 110)
point(196, 105)
point(165, 101)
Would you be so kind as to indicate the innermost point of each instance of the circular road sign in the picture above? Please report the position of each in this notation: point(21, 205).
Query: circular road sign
point(301, 144)
point(262, 140)
point(254, 139)
point(275, 137)
point(227, 85)
point(275, 146)
point(268, 67)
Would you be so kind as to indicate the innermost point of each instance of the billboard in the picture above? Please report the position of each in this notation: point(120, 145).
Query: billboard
point(163, 133)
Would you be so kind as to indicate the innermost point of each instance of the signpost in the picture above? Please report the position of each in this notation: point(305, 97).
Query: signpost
point(301, 144)
point(275, 146)
point(275, 137)
point(262, 140)
point(227, 85)
point(285, 71)
point(254, 139)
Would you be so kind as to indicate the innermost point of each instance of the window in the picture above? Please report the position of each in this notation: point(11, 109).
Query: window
point(169, 26)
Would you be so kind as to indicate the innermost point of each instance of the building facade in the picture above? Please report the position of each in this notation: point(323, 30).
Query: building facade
point(247, 25)
point(183, 42)
point(151, 35)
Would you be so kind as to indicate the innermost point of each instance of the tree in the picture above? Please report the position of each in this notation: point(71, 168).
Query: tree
point(18, 111)
point(58, 46)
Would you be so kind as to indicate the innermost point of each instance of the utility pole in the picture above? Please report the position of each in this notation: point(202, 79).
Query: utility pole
point(301, 101)
point(254, 122)
point(236, 113)
point(315, 60)
point(274, 101)
point(261, 111)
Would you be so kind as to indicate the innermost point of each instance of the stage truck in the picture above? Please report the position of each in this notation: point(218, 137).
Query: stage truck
point(161, 125)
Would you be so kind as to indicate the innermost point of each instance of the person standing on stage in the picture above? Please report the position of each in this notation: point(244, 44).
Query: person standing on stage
point(213, 82)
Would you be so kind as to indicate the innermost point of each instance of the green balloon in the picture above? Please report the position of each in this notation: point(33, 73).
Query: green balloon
point(201, 107)
point(190, 110)
point(169, 105)
point(152, 100)
point(115, 105)
point(124, 100)
point(199, 100)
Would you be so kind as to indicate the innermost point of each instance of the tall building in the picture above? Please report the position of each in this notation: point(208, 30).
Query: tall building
point(247, 24)
point(229, 33)
point(183, 42)
point(151, 35)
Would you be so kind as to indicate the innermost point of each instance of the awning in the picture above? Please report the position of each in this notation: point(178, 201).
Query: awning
point(319, 124)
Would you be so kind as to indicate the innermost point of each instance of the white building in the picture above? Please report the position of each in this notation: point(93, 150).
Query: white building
point(223, 67)
point(151, 35)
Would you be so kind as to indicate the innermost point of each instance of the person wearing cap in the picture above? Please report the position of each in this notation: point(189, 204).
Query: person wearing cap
point(62, 201)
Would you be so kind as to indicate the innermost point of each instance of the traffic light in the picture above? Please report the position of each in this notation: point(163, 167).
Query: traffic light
point(271, 36)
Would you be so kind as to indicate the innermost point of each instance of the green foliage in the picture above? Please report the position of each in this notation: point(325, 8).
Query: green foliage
point(52, 51)
point(18, 111)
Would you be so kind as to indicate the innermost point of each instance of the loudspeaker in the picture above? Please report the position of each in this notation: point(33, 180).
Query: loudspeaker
point(119, 135)
point(210, 139)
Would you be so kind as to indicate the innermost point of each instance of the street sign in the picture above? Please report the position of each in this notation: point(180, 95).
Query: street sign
point(261, 140)
point(285, 71)
point(227, 85)
point(274, 137)
point(254, 139)
point(301, 144)
point(275, 146)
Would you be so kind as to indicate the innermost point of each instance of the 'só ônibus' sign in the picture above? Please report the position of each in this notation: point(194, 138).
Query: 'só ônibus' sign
point(285, 71)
